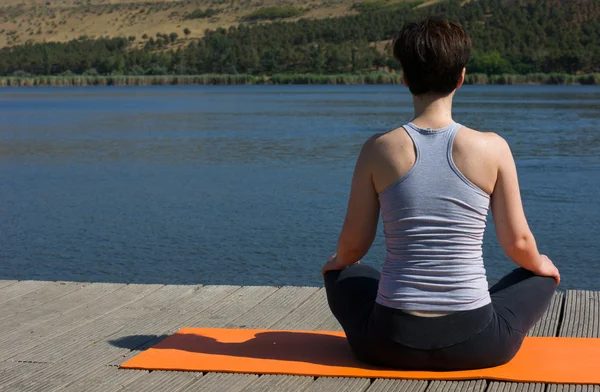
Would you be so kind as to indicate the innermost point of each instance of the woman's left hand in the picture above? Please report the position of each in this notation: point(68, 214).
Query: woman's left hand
point(333, 264)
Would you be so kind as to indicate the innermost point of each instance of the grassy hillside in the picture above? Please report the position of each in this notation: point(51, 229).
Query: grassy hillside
point(23, 21)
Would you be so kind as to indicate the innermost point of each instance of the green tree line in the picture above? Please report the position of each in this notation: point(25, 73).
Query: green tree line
point(509, 37)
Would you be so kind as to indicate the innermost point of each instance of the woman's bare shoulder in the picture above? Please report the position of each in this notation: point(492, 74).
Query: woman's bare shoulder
point(390, 142)
point(388, 156)
point(469, 140)
point(479, 156)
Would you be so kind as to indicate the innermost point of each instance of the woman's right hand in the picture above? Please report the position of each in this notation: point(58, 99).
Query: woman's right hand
point(548, 268)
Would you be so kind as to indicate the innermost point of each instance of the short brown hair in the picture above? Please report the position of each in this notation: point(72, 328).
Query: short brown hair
point(433, 53)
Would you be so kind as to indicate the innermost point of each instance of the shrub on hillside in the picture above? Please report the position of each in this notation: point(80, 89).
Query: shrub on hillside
point(384, 5)
point(21, 74)
point(272, 13)
point(200, 14)
point(91, 72)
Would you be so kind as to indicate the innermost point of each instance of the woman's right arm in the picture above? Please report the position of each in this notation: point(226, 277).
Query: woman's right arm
point(512, 229)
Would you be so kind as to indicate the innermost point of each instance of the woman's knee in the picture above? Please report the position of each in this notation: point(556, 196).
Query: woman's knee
point(351, 293)
point(330, 277)
point(354, 272)
point(523, 274)
point(520, 277)
point(546, 284)
point(359, 271)
point(520, 274)
point(547, 281)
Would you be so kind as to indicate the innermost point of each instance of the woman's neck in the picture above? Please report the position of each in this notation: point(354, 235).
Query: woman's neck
point(433, 111)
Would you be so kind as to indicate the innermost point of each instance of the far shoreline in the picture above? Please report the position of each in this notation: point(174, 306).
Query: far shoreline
point(380, 78)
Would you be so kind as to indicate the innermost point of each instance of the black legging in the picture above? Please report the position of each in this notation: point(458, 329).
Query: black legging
point(484, 337)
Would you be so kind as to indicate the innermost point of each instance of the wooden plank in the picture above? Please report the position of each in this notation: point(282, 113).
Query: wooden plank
point(178, 314)
point(278, 383)
point(104, 378)
point(49, 377)
point(388, 385)
point(220, 314)
point(6, 366)
point(85, 335)
point(60, 375)
point(240, 302)
point(35, 298)
point(457, 386)
point(548, 324)
point(21, 288)
point(28, 338)
point(340, 384)
point(56, 308)
point(515, 387)
point(573, 388)
point(144, 333)
point(239, 305)
point(251, 306)
point(581, 314)
point(5, 283)
point(218, 382)
point(329, 324)
point(313, 313)
point(16, 371)
point(272, 309)
point(161, 381)
point(232, 300)
point(230, 307)
point(308, 316)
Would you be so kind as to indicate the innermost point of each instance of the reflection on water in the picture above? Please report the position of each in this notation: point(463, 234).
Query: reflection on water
point(248, 184)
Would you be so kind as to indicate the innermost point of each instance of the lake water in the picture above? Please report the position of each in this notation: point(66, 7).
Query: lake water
point(248, 185)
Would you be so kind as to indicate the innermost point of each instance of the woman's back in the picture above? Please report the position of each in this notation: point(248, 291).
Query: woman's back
point(434, 219)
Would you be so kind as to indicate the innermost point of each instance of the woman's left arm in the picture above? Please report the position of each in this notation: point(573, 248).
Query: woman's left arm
point(360, 224)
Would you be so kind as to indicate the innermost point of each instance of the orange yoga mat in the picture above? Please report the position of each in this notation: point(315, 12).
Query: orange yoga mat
point(317, 353)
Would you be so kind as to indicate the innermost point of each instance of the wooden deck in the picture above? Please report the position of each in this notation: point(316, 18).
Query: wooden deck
point(72, 336)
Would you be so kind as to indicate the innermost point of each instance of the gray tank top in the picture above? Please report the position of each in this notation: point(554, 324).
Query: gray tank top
point(433, 219)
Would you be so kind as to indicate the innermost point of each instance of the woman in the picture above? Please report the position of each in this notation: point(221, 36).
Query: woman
point(434, 180)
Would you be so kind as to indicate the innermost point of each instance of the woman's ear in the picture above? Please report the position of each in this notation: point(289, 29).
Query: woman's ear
point(461, 79)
